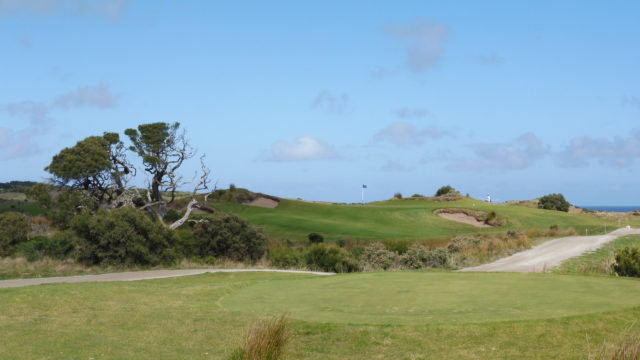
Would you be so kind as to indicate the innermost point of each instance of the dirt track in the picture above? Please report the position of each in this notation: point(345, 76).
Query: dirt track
point(552, 253)
point(135, 275)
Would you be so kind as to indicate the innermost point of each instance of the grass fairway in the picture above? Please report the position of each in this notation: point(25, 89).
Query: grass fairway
point(408, 219)
point(406, 315)
point(400, 298)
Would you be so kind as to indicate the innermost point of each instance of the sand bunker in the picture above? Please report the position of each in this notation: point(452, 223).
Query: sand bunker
point(263, 202)
point(463, 218)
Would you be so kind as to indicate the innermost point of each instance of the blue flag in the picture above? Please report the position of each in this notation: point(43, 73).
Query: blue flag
point(364, 186)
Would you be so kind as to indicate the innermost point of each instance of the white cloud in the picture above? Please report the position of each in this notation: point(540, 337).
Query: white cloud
point(303, 149)
point(518, 154)
point(406, 134)
point(619, 151)
point(424, 42)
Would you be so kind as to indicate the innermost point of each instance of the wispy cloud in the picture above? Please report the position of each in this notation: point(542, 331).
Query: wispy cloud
point(618, 152)
point(330, 103)
point(105, 8)
point(411, 113)
point(424, 42)
point(632, 101)
point(406, 134)
point(20, 143)
point(518, 154)
point(88, 96)
point(302, 149)
point(491, 59)
point(396, 166)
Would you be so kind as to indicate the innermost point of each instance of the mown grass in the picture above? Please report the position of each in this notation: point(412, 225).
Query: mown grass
point(402, 219)
point(597, 262)
point(190, 318)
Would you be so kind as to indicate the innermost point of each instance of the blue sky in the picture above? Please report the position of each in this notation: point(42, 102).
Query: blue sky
point(312, 100)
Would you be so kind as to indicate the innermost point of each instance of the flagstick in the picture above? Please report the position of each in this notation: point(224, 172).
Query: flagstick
point(363, 195)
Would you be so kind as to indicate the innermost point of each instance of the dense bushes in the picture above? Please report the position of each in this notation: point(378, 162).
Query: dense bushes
point(329, 258)
point(627, 262)
point(377, 256)
point(230, 237)
point(124, 236)
point(554, 202)
point(315, 238)
point(58, 246)
point(444, 190)
point(14, 229)
point(468, 250)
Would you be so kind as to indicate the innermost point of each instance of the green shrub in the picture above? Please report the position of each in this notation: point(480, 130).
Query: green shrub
point(417, 195)
point(286, 257)
point(627, 262)
point(397, 196)
point(419, 257)
point(554, 202)
point(14, 229)
point(444, 190)
point(315, 238)
point(329, 258)
point(399, 246)
point(375, 256)
point(58, 246)
point(171, 216)
point(123, 236)
point(230, 237)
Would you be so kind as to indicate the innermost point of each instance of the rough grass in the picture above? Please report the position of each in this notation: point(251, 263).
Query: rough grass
point(265, 340)
point(597, 262)
point(188, 318)
point(414, 220)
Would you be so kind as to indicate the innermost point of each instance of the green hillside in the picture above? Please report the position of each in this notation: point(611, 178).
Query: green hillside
point(408, 219)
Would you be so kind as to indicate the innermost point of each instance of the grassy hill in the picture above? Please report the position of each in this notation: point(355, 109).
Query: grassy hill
point(406, 219)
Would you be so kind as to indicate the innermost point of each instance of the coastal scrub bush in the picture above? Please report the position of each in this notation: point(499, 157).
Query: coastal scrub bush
point(315, 238)
point(286, 257)
point(444, 190)
point(397, 196)
point(376, 257)
point(554, 202)
point(399, 246)
point(123, 236)
point(419, 257)
point(58, 246)
point(329, 258)
point(627, 262)
point(230, 237)
point(14, 229)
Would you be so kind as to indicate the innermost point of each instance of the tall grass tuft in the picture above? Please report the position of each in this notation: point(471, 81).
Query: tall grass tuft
point(265, 340)
point(627, 349)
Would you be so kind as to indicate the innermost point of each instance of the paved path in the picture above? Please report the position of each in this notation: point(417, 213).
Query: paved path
point(551, 253)
point(136, 275)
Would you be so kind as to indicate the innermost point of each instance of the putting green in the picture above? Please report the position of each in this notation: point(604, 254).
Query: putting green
point(434, 297)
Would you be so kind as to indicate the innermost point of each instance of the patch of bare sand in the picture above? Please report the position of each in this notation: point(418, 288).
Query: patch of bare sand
point(263, 202)
point(463, 218)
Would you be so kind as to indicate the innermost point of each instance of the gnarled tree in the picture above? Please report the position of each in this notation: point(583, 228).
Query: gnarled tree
point(163, 150)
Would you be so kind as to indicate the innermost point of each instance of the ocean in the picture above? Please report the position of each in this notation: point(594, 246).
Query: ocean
point(612, 208)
